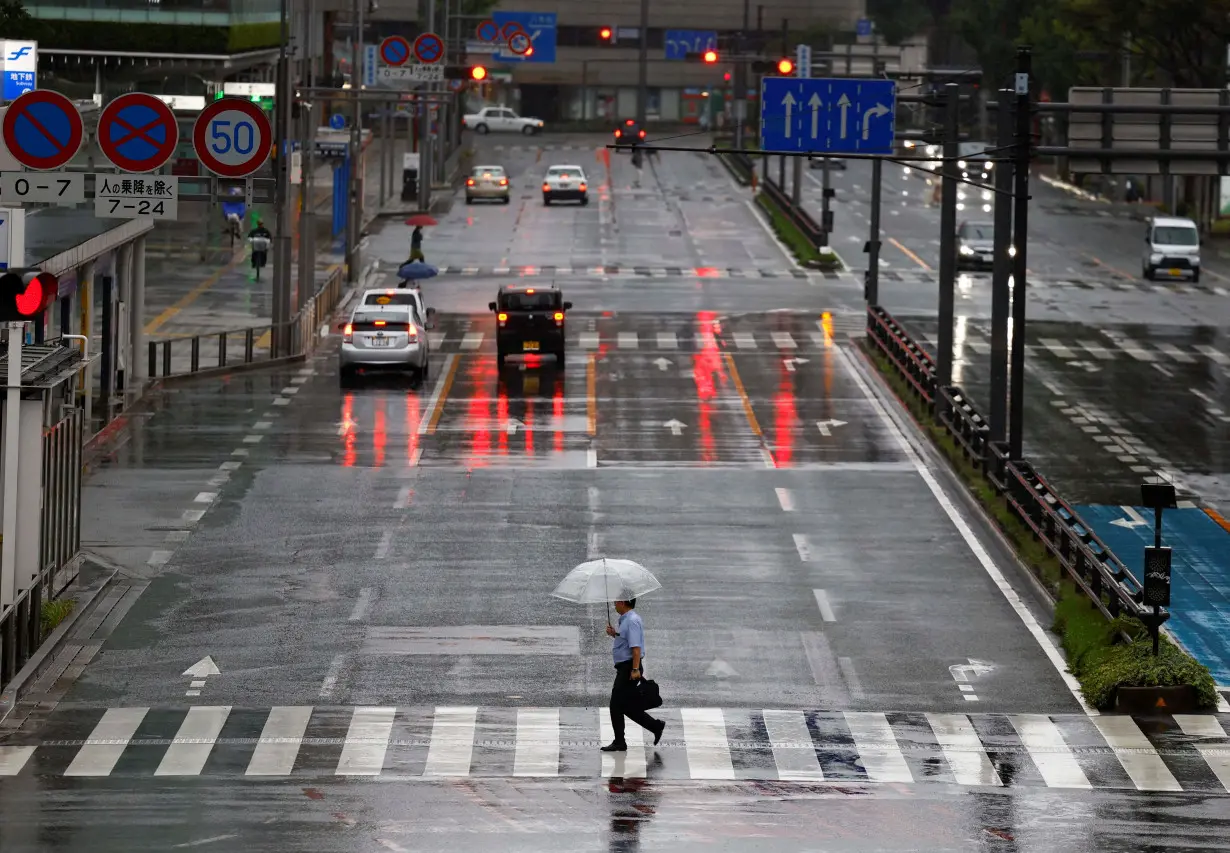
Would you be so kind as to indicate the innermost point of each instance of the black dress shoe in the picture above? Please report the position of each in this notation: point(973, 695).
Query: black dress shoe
point(615, 746)
point(657, 736)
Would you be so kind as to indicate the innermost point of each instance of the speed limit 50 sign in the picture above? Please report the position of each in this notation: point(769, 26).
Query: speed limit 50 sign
point(61, 188)
point(232, 137)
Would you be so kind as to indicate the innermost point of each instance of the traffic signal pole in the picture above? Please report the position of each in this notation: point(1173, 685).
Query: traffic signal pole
point(355, 206)
point(12, 458)
point(642, 68)
point(282, 219)
point(426, 148)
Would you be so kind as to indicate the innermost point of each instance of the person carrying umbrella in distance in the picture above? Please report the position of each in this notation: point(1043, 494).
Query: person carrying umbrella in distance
point(620, 581)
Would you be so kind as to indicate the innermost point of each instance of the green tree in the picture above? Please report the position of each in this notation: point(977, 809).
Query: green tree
point(15, 21)
point(898, 20)
point(992, 29)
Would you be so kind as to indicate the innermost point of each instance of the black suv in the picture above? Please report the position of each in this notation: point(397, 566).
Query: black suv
point(629, 133)
point(529, 321)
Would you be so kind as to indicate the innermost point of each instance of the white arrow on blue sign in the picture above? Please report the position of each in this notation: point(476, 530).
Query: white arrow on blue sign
point(842, 116)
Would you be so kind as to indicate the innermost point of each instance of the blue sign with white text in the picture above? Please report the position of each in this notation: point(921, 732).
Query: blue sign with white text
point(863, 27)
point(679, 43)
point(842, 116)
point(539, 26)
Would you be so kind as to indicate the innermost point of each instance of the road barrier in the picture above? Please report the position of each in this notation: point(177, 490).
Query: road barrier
point(797, 215)
point(1086, 560)
point(176, 357)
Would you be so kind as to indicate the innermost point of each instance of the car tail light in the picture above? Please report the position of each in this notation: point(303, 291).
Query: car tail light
point(529, 290)
point(502, 317)
point(629, 122)
point(642, 134)
point(584, 187)
point(559, 318)
point(618, 133)
point(469, 182)
point(412, 332)
point(380, 323)
point(546, 187)
point(348, 333)
point(503, 182)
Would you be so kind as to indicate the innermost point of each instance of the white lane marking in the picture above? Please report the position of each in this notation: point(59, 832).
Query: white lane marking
point(745, 340)
point(877, 747)
point(1096, 351)
point(1202, 726)
point(622, 765)
point(1141, 761)
point(589, 340)
point(279, 743)
point(434, 399)
point(785, 499)
point(783, 340)
point(452, 742)
point(984, 559)
point(13, 758)
point(1049, 751)
point(591, 457)
point(628, 340)
point(800, 545)
point(281, 401)
point(794, 752)
point(1208, 352)
point(853, 682)
point(262, 425)
point(384, 545)
point(767, 456)
point(667, 340)
point(107, 742)
point(203, 841)
point(331, 677)
point(239, 451)
point(252, 439)
point(1176, 353)
point(159, 558)
point(471, 340)
point(1057, 348)
point(415, 457)
point(191, 516)
point(760, 220)
point(963, 749)
point(362, 605)
point(289, 390)
point(704, 732)
point(187, 754)
point(230, 466)
point(205, 497)
point(367, 741)
point(435, 340)
point(826, 609)
point(537, 752)
point(403, 497)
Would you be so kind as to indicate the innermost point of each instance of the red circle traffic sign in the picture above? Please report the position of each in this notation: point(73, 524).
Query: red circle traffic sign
point(429, 48)
point(487, 31)
point(138, 132)
point(519, 43)
point(232, 137)
point(395, 51)
point(511, 27)
point(42, 129)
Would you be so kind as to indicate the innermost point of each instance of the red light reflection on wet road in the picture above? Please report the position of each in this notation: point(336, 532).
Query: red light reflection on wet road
point(785, 418)
point(478, 410)
point(379, 433)
point(347, 430)
point(413, 414)
point(709, 374)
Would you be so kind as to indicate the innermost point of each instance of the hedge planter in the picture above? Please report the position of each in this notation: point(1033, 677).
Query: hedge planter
point(1177, 699)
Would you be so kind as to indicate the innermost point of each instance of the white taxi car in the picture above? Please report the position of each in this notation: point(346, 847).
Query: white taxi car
point(565, 183)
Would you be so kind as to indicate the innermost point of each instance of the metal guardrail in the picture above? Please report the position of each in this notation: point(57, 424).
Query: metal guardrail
point(797, 215)
point(174, 357)
point(1088, 563)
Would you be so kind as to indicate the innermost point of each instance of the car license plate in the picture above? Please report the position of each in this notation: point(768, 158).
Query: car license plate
point(529, 346)
point(563, 185)
point(380, 342)
point(1175, 271)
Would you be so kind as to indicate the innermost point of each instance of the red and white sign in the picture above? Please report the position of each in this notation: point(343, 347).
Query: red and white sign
point(138, 132)
point(232, 137)
point(42, 129)
point(395, 51)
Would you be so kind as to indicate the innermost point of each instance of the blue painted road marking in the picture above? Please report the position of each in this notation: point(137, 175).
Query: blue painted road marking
point(845, 116)
point(1200, 573)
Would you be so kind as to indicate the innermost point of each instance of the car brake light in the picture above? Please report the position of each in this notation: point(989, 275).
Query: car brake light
point(642, 134)
point(546, 187)
point(629, 122)
point(584, 187)
point(529, 290)
point(411, 331)
point(469, 182)
point(503, 182)
point(618, 133)
point(381, 323)
point(501, 316)
point(348, 333)
point(559, 316)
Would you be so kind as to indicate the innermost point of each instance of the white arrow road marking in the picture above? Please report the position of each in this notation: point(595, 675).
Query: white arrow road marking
point(827, 427)
point(203, 668)
point(844, 103)
point(879, 110)
point(1134, 519)
point(512, 425)
point(815, 103)
point(788, 102)
point(676, 427)
point(720, 669)
point(791, 363)
point(663, 363)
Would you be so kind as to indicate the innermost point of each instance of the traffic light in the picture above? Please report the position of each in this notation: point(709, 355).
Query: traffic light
point(26, 293)
point(605, 34)
point(726, 76)
point(785, 67)
point(465, 72)
point(710, 56)
point(478, 73)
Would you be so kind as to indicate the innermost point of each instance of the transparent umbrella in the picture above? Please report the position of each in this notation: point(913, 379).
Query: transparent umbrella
point(604, 580)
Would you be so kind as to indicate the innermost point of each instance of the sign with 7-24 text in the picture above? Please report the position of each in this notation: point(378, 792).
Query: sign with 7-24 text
point(415, 73)
point(129, 197)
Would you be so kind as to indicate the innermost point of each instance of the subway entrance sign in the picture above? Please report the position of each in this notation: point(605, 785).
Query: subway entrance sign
point(840, 116)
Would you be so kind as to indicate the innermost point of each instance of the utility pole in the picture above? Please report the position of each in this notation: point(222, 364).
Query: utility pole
point(948, 229)
point(1024, 143)
point(354, 212)
point(871, 289)
point(426, 148)
point(740, 78)
point(282, 219)
point(307, 142)
point(642, 71)
point(1001, 272)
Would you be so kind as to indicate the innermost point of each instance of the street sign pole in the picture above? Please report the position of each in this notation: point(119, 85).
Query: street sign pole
point(355, 197)
point(281, 282)
point(948, 233)
point(802, 68)
point(307, 145)
point(1024, 130)
point(871, 288)
point(1001, 271)
point(426, 148)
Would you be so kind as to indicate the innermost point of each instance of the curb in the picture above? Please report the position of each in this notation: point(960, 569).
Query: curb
point(49, 647)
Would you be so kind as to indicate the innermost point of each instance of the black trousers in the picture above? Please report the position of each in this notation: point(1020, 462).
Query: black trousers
point(623, 703)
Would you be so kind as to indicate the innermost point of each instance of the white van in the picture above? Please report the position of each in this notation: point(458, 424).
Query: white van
point(1172, 249)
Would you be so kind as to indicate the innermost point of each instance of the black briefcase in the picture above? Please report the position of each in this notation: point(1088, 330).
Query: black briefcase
point(647, 694)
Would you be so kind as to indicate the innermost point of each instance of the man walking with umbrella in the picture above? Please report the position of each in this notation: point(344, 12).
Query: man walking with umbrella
point(628, 650)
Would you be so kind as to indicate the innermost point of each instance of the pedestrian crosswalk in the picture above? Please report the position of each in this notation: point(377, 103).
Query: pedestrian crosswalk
point(1178, 753)
point(1115, 283)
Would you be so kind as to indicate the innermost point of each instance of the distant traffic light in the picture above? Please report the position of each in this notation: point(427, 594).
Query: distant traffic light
point(726, 76)
point(478, 73)
point(465, 72)
point(785, 67)
point(710, 56)
point(26, 293)
point(605, 33)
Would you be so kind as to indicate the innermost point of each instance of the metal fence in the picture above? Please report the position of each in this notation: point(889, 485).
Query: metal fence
point(797, 215)
point(175, 357)
point(1086, 560)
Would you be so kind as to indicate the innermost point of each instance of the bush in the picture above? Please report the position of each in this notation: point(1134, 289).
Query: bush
point(54, 612)
point(1098, 655)
point(798, 244)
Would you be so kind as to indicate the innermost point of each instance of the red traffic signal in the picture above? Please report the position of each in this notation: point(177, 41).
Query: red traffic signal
point(605, 33)
point(785, 67)
point(726, 76)
point(478, 73)
point(26, 293)
point(710, 56)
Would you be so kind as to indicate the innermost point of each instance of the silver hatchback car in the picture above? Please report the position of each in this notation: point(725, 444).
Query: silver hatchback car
point(384, 338)
point(488, 182)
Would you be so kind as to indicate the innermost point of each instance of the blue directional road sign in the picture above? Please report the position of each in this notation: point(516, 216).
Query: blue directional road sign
point(539, 26)
point(863, 27)
point(337, 121)
point(679, 43)
point(841, 116)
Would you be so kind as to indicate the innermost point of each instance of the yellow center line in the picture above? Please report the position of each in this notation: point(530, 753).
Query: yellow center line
point(191, 296)
point(591, 396)
point(913, 257)
point(747, 403)
point(1217, 517)
point(444, 389)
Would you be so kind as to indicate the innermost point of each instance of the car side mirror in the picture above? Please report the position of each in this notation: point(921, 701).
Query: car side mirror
point(567, 306)
point(431, 312)
point(491, 306)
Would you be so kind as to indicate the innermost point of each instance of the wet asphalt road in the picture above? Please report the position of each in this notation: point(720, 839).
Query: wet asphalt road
point(1125, 378)
point(370, 570)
